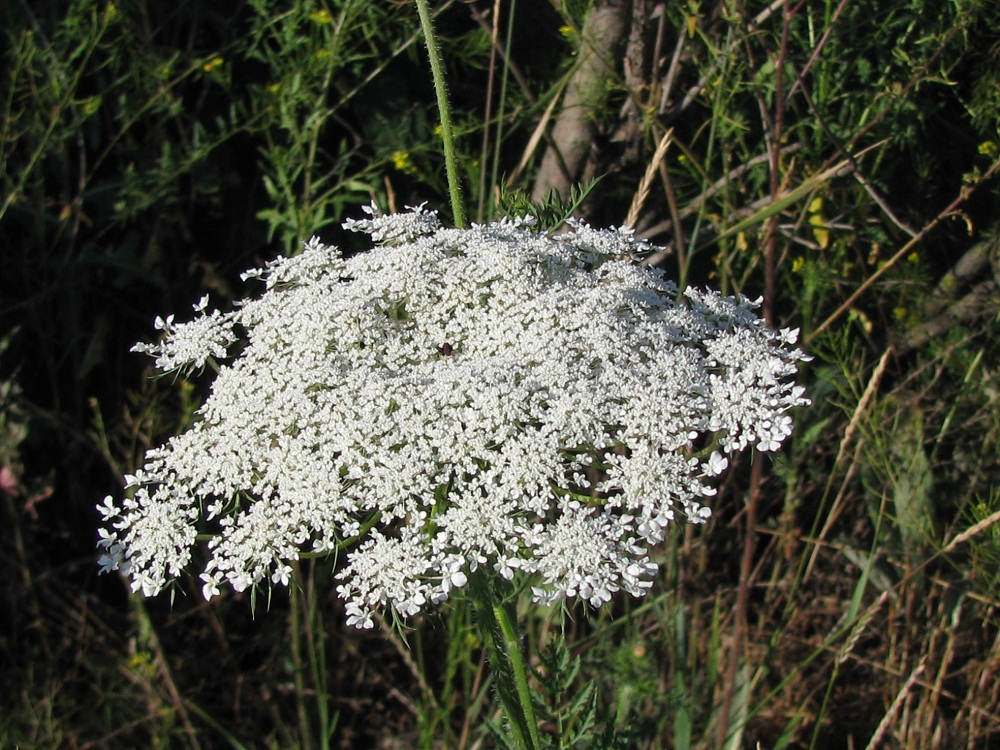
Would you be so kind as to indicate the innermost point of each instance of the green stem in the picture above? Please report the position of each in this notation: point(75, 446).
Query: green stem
point(454, 188)
point(295, 627)
point(497, 626)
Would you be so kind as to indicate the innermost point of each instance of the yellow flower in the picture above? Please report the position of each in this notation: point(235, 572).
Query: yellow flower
point(212, 64)
point(142, 662)
point(819, 229)
point(320, 17)
point(798, 264)
point(401, 161)
point(988, 148)
point(861, 319)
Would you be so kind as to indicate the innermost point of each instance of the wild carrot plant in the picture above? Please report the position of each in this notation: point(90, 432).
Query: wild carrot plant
point(454, 403)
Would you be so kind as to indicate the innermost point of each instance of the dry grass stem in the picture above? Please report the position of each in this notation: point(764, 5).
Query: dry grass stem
point(642, 192)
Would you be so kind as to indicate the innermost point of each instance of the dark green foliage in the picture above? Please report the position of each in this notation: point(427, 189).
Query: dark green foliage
point(550, 214)
point(569, 712)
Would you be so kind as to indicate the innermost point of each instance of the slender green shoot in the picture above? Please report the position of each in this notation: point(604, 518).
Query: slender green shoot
point(444, 110)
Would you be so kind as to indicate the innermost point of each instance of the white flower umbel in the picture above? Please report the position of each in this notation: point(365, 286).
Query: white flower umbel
point(452, 399)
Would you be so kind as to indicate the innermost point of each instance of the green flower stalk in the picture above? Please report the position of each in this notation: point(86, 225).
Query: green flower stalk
point(444, 112)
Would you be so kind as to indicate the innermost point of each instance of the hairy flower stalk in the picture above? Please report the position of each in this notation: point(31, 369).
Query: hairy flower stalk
point(454, 399)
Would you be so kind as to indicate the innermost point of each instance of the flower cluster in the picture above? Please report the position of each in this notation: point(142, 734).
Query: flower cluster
point(496, 397)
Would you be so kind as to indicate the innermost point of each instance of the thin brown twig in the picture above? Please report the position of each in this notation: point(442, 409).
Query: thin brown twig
point(675, 220)
point(498, 48)
point(903, 251)
point(970, 532)
point(852, 426)
point(694, 205)
point(671, 77)
point(890, 715)
point(747, 576)
point(881, 203)
point(166, 675)
point(816, 52)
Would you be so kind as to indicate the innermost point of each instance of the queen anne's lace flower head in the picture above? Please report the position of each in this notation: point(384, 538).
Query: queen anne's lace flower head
point(453, 399)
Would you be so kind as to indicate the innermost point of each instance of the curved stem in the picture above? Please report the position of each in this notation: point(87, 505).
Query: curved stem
point(437, 72)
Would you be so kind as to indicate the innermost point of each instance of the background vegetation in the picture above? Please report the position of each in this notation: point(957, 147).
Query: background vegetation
point(837, 158)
